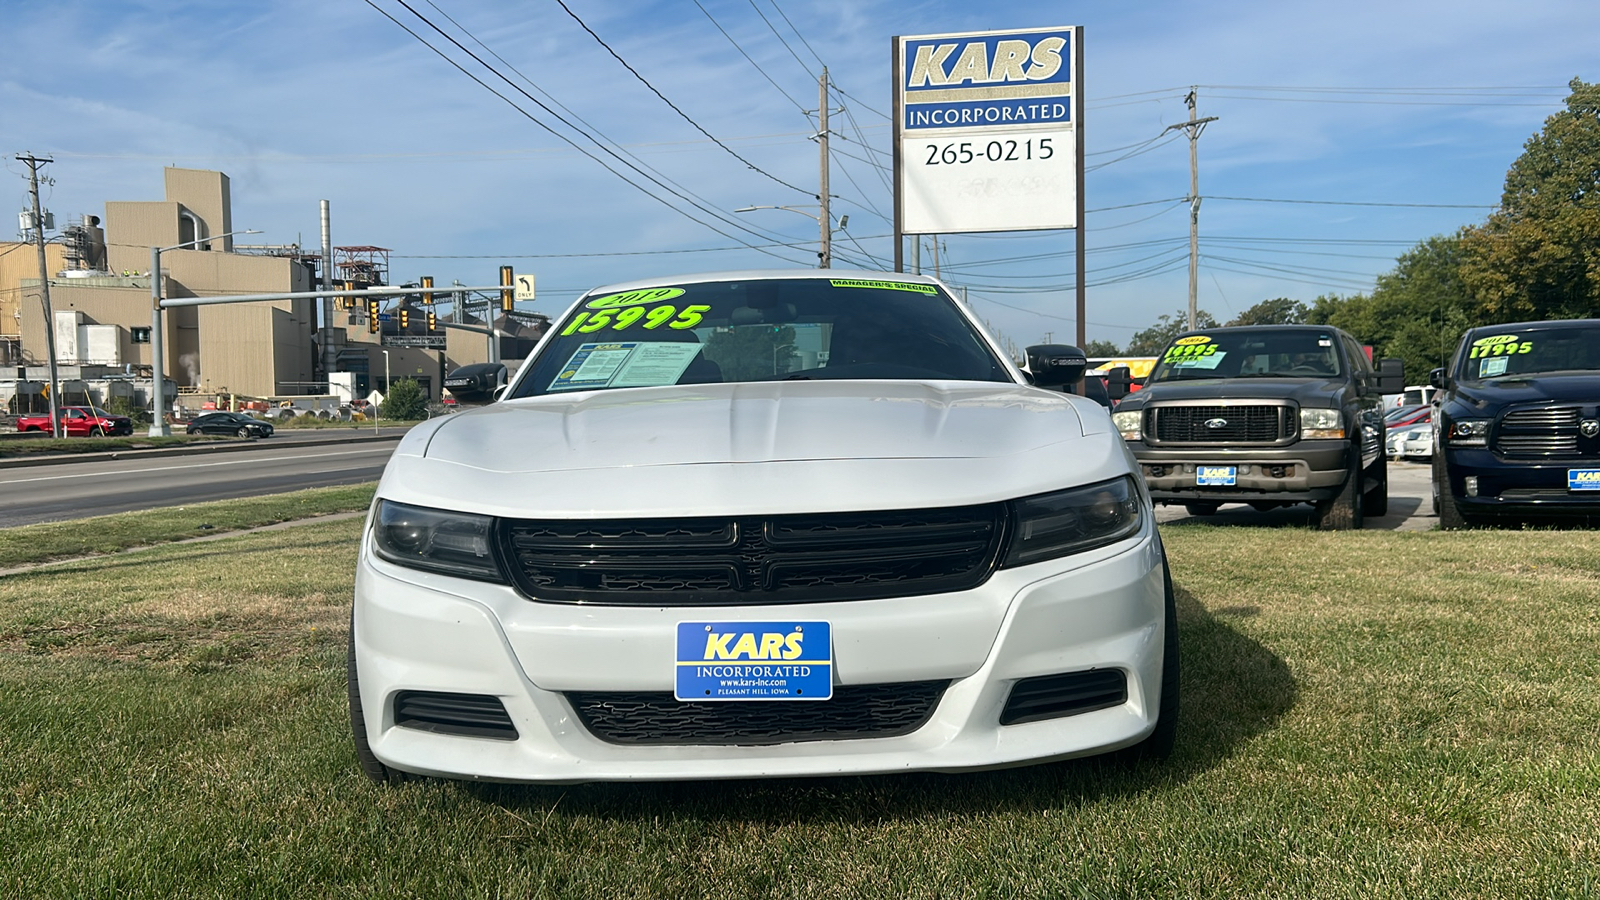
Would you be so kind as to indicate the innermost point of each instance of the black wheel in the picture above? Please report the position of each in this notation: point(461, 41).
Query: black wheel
point(1344, 511)
point(1202, 507)
point(370, 766)
point(1376, 502)
point(243, 432)
point(1444, 502)
point(1159, 745)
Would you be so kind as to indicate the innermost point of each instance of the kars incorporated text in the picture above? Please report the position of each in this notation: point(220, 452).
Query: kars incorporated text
point(752, 671)
point(979, 113)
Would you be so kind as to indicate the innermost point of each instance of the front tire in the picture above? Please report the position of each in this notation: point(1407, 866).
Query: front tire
point(1376, 502)
point(1444, 500)
point(370, 765)
point(243, 432)
point(1161, 742)
point(1344, 511)
point(1202, 507)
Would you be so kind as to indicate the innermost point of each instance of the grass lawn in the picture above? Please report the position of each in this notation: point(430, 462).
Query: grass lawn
point(1364, 715)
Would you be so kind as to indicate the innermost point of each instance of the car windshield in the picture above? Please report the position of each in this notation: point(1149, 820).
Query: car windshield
point(1521, 352)
point(760, 330)
point(1243, 353)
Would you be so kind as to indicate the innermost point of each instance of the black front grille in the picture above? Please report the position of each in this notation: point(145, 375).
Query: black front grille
point(1266, 424)
point(472, 715)
point(1540, 432)
point(1054, 696)
point(756, 559)
point(855, 712)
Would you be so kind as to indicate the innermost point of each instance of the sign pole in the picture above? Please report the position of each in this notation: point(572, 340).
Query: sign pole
point(1077, 130)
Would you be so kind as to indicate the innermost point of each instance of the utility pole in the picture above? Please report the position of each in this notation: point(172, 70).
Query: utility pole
point(826, 256)
point(330, 355)
point(34, 162)
point(1194, 126)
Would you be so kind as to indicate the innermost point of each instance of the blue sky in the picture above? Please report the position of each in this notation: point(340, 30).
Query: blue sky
point(1421, 105)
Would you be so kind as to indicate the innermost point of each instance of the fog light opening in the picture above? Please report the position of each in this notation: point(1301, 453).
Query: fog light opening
point(1277, 471)
point(1155, 471)
point(1471, 485)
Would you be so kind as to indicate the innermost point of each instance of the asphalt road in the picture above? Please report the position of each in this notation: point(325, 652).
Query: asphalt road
point(48, 493)
point(1410, 506)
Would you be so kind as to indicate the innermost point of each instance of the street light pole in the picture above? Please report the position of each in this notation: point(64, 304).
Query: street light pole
point(387, 380)
point(158, 365)
point(825, 258)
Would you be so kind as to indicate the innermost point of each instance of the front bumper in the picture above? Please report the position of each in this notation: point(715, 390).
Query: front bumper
point(1524, 489)
point(415, 631)
point(1313, 470)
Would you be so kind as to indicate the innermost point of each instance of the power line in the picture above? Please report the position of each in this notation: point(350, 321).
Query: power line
point(1359, 203)
point(674, 106)
point(803, 67)
point(752, 62)
point(567, 140)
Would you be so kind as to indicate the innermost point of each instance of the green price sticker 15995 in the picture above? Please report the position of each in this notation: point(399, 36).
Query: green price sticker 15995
point(622, 319)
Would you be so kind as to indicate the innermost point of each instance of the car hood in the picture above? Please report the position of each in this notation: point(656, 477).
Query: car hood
point(1308, 392)
point(758, 447)
point(1568, 388)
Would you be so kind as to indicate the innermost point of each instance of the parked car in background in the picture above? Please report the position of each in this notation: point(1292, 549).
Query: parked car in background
point(80, 421)
point(234, 423)
point(1518, 427)
point(1269, 415)
point(1414, 441)
point(1407, 415)
point(763, 524)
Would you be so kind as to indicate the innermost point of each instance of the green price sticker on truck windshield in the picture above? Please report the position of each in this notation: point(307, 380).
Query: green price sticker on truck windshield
point(587, 322)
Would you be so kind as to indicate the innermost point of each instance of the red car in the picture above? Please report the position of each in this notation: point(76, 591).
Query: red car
point(80, 421)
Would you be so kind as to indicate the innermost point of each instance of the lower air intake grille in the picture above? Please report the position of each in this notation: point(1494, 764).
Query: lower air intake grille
point(855, 712)
point(1054, 696)
point(471, 715)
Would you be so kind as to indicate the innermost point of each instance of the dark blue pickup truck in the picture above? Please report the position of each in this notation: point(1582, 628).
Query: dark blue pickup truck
point(1517, 432)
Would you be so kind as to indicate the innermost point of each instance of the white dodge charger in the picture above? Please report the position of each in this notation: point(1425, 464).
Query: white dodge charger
point(759, 524)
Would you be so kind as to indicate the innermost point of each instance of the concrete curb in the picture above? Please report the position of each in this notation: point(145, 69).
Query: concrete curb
point(58, 459)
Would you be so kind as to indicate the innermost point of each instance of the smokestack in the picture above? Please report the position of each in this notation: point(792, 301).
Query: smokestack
point(329, 354)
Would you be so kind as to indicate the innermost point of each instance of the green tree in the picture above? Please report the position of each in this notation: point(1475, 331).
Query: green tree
point(406, 401)
point(1101, 348)
point(1279, 311)
point(1154, 339)
point(749, 353)
point(1538, 255)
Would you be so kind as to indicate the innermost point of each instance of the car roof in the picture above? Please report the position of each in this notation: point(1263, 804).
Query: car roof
point(1534, 326)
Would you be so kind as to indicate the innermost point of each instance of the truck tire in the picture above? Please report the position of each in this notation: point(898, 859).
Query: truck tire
point(1343, 512)
point(1202, 507)
point(1444, 502)
point(1376, 502)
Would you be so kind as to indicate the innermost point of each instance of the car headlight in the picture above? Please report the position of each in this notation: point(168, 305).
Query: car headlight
point(1323, 424)
point(1072, 521)
point(1128, 423)
point(1469, 433)
point(436, 540)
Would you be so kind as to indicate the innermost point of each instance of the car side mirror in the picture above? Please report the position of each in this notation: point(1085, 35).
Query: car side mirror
point(1436, 378)
point(1391, 376)
point(1053, 365)
point(1119, 382)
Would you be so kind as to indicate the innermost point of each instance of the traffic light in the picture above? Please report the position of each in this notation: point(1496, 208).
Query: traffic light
point(405, 318)
point(433, 322)
point(508, 294)
point(348, 302)
point(427, 296)
point(372, 315)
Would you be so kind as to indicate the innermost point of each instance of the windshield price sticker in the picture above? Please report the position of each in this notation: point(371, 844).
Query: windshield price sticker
point(1489, 368)
point(1216, 476)
point(1583, 479)
point(626, 317)
point(1190, 351)
point(754, 661)
point(633, 364)
point(1499, 345)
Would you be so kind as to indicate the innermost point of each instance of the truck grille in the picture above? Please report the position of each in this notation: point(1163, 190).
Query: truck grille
point(1242, 424)
point(854, 712)
point(1539, 433)
point(756, 559)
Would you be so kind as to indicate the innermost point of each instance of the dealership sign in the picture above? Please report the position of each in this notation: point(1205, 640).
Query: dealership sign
point(986, 131)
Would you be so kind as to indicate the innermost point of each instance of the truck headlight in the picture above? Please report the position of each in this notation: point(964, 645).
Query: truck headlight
point(1469, 433)
point(1321, 424)
point(1128, 423)
point(435, 540)
point(1072, 521)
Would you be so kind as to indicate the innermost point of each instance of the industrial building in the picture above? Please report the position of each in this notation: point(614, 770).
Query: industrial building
point(100, 299)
